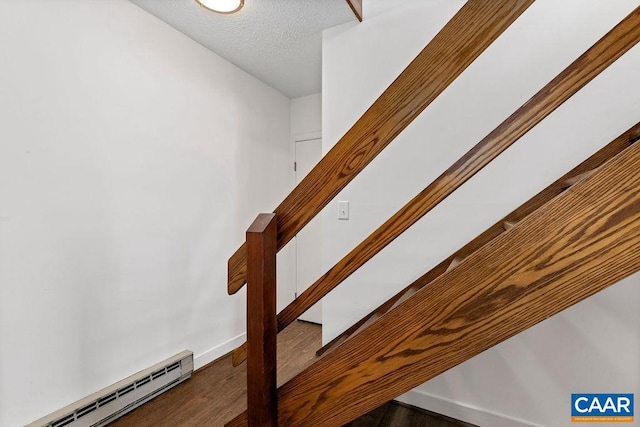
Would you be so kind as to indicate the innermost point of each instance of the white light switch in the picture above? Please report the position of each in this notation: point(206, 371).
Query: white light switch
point(343, 210)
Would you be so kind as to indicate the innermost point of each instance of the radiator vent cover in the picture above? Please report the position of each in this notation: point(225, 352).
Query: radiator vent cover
point(114, 401)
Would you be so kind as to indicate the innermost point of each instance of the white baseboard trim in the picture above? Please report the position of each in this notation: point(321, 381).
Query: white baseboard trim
point(218, 351)
point(460, 411)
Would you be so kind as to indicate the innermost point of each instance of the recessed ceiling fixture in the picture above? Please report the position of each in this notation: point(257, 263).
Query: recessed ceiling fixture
point(222, 6)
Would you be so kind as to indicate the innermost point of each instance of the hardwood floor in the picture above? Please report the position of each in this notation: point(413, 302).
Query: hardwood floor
point(217, 393)
point(395, 414)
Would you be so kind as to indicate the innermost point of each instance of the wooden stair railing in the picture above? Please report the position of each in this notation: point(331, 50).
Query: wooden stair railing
point(603, 53)
point(473, 28)
point(262, 330)
point(356, 7)
point(579, 243)
point(583, 170)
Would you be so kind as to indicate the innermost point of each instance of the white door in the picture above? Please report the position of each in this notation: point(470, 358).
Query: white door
point(308, 152)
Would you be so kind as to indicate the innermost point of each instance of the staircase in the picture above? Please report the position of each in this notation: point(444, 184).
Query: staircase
point(578, 236)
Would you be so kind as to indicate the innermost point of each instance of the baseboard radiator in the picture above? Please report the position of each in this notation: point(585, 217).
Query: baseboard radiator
point(116, 400)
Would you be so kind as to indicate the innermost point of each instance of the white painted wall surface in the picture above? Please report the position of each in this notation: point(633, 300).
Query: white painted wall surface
point(592, 347)
point(132, 160)
point(306, 114)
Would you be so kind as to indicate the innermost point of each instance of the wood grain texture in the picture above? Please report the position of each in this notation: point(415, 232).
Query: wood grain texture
point(507, 223)
point(602, 54)
point(581, 242)
point(476, 25)
point(356, 7)
point(262, 330)
point(608, 49)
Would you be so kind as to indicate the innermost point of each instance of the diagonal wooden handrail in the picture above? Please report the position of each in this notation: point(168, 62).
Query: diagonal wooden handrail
point(602, 54)
point(476, 25)
point(356, 7)
point(596, 59)
point(581, 242)
point(609, 151)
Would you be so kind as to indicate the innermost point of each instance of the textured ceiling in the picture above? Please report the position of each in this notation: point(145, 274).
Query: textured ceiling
point(277, 41)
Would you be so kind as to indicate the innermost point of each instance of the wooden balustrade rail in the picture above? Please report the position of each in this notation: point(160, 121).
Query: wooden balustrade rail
point(606, 51)
point(603, 53)
point(262, 331)
point(476, 25)
point(581, 242)
point(356, 7)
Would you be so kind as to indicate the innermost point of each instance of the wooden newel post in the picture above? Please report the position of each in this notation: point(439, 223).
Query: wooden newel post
point(262, 328)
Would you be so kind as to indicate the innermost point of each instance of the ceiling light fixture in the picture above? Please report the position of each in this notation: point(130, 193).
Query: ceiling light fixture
point(222, 6)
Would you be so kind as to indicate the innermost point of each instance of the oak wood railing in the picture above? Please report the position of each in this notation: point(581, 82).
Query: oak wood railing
point(356, 7)
point(580, 242)
point(602, 54)
point(476, 25)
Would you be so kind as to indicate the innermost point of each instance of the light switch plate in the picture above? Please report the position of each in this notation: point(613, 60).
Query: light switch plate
point(343, 210)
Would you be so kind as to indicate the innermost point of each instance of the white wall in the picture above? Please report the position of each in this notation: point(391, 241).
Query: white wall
point(306, 114)
point(132, 160)
point(527, 379)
